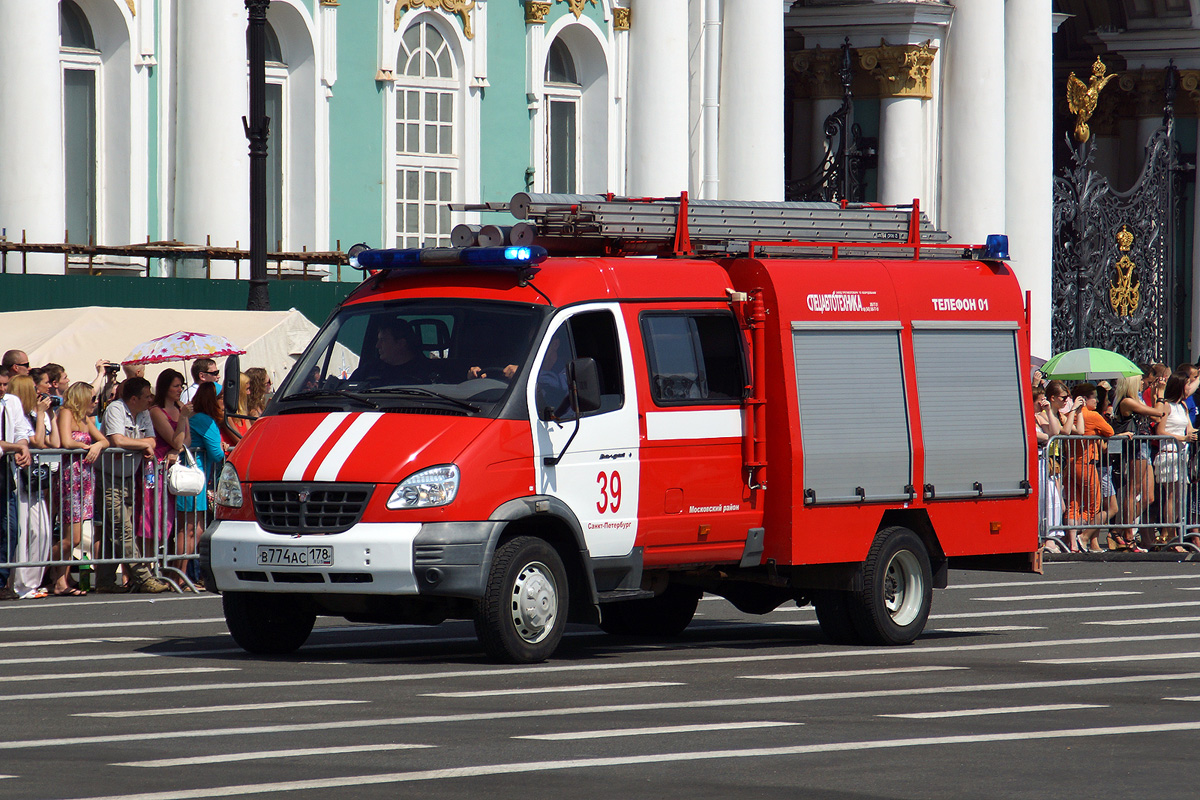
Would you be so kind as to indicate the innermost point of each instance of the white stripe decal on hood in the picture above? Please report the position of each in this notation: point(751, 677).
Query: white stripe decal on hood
point(315, 441)
point(333, 463)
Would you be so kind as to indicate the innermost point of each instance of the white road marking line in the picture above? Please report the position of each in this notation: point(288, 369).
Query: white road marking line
point(660, 663)
point(716, 726)
point(74, 626)
point(156, 712)
point(108, 640)
point(591, 687)
point(509, 768)
point(1192, 699)
point(1188, 588)
point(979, 712)
point(124, 673)
point(224, 758)
point(1024, 612)
point(1142, 621)
point(850, 673)
point(1116, 659)
point(1183, 576)
point(989, 629)
point(94, 601)
point(432, 719)
point(1065, 596)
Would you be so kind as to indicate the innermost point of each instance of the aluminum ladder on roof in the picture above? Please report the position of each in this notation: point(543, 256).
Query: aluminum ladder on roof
point(598, 223)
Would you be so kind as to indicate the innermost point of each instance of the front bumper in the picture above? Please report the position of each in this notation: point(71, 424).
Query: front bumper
point(378, 558)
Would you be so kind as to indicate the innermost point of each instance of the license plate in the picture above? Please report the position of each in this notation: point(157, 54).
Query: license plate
point(295, 555)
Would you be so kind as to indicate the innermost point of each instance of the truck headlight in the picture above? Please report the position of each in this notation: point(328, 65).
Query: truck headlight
point(431, 487)
point(229, 488)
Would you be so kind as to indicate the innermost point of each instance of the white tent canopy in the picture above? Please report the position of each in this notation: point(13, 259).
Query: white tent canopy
point(78, 337)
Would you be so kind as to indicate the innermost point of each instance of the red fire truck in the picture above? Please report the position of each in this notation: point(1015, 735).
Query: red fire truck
point(638, 402)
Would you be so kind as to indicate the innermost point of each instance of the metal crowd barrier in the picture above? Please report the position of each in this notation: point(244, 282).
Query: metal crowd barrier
point(61, 512)
point(1133, 492)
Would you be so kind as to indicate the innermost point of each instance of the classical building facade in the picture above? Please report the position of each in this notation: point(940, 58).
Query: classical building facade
point(123, 118)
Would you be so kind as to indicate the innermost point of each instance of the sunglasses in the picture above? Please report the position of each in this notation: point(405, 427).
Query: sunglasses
point(24, 364)
point(213, 372)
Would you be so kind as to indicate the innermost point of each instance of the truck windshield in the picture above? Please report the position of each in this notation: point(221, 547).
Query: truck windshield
point(462, 356)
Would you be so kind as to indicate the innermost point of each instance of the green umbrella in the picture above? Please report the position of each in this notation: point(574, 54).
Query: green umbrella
point(1089, 364)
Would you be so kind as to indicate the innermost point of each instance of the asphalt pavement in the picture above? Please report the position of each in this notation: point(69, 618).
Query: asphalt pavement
point(1084, 682)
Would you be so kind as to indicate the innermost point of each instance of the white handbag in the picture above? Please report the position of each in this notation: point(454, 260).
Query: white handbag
point(185, 478)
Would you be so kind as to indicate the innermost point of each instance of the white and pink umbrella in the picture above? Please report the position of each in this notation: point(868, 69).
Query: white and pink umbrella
point(182, 346)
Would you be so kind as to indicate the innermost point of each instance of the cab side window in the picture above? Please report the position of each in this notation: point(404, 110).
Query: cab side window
point(694, 359)
point(591, 334)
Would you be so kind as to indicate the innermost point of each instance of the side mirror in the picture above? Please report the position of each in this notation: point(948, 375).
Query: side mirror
point(584, 377)
point(231, 386)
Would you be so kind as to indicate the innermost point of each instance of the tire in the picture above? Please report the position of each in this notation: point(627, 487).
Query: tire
point(833, 614)
point(897, 593)
point(665, 616)
point(523, 613)
point(267, 624)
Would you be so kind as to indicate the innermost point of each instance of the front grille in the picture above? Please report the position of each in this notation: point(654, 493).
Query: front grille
point(310, 508)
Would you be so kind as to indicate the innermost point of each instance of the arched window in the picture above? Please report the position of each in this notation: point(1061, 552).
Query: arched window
point(277, 74)
point(563, 96)
point(426, 157)
point(80, 69)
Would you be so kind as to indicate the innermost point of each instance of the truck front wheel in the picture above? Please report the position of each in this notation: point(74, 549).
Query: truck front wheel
point(897, 593)
point(267, 624)
point(523, 613)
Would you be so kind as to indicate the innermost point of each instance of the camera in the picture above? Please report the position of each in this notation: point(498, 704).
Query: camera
point(112, 369)
point(55, 402)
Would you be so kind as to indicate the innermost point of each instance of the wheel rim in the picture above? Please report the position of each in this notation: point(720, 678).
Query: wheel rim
point(534, 602)
point(902, 588)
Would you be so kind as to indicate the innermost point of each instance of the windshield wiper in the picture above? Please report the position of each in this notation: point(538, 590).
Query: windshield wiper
point(314, 393)
point(424, 393)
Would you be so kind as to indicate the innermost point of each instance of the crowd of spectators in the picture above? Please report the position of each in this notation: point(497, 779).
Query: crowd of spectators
point(115, 440)
point(1118, 486)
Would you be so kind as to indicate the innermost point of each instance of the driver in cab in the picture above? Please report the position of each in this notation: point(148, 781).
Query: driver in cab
point(401, 359)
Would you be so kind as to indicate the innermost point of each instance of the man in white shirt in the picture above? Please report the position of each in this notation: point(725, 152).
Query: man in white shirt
point(15, 433)
point(128, 426)
point(204, 370)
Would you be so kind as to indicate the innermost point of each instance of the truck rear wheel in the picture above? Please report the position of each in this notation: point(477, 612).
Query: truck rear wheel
point(523, 613)
point(267, 624)
point(897, 593)
point(664, 616)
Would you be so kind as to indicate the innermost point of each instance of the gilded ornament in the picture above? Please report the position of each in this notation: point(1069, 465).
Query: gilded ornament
point(620, 19)
point(818, 71)
point(1082, 99)
point(460, 7)
point(132, 8)
point(1124, 294)
point(576, 6)
point(901, 70)
point(536, 11)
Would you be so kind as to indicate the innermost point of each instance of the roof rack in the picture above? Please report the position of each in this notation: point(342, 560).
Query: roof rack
point(575, 224)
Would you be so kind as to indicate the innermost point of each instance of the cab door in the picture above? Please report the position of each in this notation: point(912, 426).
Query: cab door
point(597, 475)
point(695, 504)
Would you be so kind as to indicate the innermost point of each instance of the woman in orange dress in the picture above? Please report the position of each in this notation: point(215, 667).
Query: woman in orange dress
point(1085, 503)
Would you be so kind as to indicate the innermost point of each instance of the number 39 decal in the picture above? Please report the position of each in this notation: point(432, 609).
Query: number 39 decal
point(610, 492)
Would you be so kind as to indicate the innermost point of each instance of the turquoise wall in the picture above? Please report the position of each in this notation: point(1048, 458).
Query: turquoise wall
point(356, 118)
point(504, 116)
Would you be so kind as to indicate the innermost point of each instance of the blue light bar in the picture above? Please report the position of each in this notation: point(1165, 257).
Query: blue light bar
point(996, 247)
point(516, 257)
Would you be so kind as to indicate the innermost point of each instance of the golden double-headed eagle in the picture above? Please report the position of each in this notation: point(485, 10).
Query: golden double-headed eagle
point(1082, 98)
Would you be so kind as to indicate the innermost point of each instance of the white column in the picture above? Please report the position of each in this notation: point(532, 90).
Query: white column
point(972, 201)
point(1029, 167)
point(657, 157)
point(212, 162)
point(901, 150)
point(751, 124)
point(32, 185)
